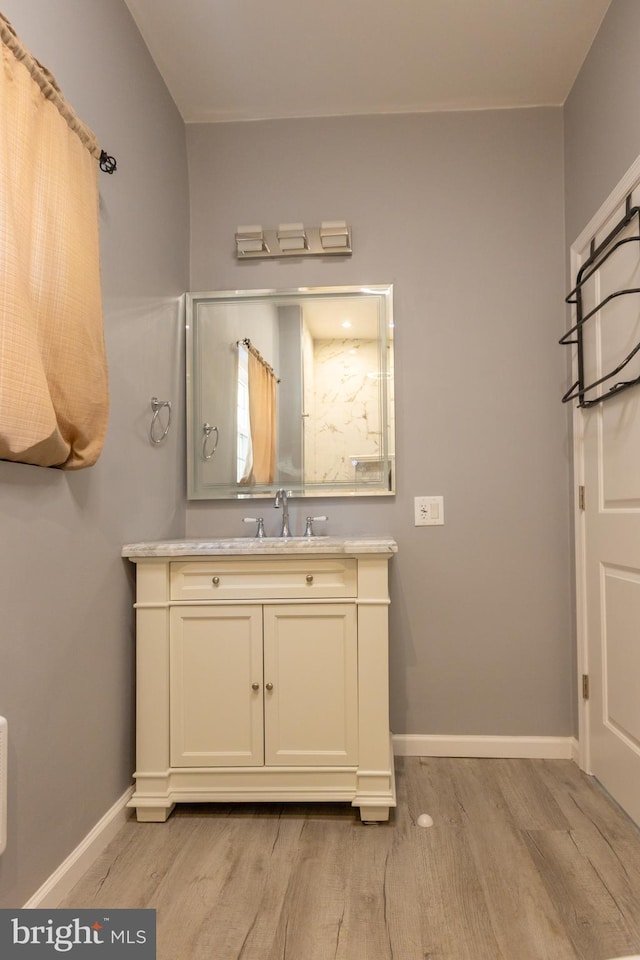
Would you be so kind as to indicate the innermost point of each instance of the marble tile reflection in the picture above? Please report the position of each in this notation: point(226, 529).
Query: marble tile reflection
point(344, 409)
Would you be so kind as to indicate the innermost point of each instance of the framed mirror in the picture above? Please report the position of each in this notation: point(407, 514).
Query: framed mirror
point(290, 389)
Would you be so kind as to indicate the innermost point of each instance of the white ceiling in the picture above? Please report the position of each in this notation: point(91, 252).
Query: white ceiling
point(256, 59)
point(342, 318)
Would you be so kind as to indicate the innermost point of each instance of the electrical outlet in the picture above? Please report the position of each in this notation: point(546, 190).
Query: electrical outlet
point(428, 511)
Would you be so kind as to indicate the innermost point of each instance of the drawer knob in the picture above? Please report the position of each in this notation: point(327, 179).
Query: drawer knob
point(309, 578)
point(255, 686)
point(269, 686)
point(215, 581)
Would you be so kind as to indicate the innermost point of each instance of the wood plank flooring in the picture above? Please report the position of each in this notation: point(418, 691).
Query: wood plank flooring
point(526, 860)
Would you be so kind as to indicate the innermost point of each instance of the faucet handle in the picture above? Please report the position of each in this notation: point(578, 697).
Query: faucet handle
point(259, 521)
point(308, 531)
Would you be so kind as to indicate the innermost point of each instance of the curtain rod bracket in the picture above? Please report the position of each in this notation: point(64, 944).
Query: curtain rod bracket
point(107, 164)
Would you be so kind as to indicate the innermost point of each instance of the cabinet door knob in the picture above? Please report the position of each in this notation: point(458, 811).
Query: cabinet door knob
point(269, 686)
point(255, 686)
point(215, 581)
point(309, 578)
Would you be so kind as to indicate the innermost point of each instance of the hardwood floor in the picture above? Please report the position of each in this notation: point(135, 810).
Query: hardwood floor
point(526, 860)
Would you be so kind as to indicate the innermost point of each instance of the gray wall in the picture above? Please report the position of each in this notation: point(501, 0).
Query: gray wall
point(463, 212)
point(66, 645)
point(602, 116)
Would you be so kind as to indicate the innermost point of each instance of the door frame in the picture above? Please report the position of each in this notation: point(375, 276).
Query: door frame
point(616, 199)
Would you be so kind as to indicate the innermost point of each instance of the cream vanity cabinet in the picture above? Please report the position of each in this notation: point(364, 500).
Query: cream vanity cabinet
point(262, 673)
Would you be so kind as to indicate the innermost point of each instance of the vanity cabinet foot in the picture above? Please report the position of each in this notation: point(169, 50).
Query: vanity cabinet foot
point(153, 814)
point(374, 814)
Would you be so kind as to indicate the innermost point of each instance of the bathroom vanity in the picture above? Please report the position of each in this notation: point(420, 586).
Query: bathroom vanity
point(262, 672)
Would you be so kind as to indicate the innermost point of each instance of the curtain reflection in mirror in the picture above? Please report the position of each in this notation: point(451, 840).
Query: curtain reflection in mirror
point(256, 417)
point(243, 428)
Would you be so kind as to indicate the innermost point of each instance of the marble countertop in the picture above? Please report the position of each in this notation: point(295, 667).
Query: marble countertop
point(256, 546)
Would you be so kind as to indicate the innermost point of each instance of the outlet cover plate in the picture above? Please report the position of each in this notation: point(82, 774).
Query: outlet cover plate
point(429, 511)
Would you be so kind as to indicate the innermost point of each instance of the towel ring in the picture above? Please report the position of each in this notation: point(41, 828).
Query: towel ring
point(156, 406)
point(207, 429)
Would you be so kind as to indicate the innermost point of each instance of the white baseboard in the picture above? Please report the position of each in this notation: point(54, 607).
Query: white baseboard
point(79, 860)
point(541, 748)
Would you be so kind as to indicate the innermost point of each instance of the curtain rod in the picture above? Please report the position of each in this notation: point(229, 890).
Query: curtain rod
point(250, 347)
point(50, 89)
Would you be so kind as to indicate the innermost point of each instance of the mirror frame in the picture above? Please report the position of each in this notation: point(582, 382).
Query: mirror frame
point(231, 491)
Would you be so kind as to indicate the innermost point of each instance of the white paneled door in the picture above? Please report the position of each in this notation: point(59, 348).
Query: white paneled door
point(608, 526)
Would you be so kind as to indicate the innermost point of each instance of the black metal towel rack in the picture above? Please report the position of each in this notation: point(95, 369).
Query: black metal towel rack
point(598, 255)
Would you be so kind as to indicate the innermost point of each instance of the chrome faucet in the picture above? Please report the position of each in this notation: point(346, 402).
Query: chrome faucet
point(281, 500)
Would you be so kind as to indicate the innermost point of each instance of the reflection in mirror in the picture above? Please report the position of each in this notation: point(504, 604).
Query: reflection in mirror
point(290, 389)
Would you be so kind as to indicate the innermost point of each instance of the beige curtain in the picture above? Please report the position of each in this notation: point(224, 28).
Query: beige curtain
point(53, 374)
point(262, 415)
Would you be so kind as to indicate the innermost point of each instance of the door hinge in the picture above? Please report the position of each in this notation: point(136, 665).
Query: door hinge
point(580, 498)
point(585, 686)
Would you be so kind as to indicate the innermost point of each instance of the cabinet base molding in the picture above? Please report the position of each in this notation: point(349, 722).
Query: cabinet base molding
point(373, 792)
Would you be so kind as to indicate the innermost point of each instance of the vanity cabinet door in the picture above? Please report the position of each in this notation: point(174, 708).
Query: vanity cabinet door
point(311, 684)
point(216, 686)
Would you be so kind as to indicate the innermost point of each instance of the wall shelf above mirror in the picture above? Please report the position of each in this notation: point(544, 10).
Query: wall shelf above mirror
point(290, 389)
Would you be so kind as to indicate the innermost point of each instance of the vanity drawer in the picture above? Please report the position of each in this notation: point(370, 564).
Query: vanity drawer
point(263, 579)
